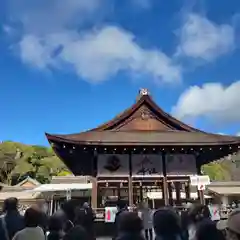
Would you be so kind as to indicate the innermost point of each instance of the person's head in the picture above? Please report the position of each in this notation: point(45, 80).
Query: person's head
point(121, 204)
point(207, 230)
point(231, 226)
point(166, 223)
point(86, 205)
point(68, 208)
point(130, 222)
point(10, 204)
point(55, 223)
point(32, 217)
point(198, 212)
point(206, 212)
point(76, 233)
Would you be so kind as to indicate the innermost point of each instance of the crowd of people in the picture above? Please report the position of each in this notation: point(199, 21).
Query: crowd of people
point(68, 223)
point(73, 222)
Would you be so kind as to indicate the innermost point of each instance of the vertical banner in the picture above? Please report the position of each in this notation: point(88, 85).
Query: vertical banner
point(146, 165)
point(110, 214)
point(113, 165)
point(215, 213)
point(181, 164)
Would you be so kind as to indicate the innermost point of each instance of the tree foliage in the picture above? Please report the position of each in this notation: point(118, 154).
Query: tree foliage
point(218, 171)
point(17, 161)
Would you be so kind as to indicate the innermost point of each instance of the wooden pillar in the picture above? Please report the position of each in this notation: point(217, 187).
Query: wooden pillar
point(118, 191)
point(188, 190)
point(170, 193)
point(141, 191)
point(165, 184)
point(178, 192)
point(200, 192)
point(130, 183)
point(94, 195)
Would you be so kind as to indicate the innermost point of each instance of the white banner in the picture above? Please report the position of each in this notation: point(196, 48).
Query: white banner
point(110, 214)
point(146, 165)
point(215, 213)
point(181, 164)
point(113, 165)
point(199, 180)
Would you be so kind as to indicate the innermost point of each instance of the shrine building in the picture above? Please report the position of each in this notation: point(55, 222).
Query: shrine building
point(141, 150)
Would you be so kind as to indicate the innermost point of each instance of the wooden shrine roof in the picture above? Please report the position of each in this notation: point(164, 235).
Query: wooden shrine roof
point(145, 138)
point(145, 114)
point(145, 124)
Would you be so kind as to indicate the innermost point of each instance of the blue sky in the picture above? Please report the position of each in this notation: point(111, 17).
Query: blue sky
point(67, 66)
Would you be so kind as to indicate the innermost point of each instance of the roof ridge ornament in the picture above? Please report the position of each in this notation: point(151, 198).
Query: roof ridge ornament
point(143, 92)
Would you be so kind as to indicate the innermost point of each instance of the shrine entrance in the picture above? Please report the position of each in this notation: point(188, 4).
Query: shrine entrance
point(140, 151)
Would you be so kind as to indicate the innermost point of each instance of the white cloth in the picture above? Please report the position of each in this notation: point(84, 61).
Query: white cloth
point(35, 233)
point(192, 232)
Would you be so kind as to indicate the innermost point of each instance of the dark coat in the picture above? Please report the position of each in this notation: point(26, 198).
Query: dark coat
point(67, 224)
point(14, 223)
point(116, 222)
point(129, 236)
point(88, 221)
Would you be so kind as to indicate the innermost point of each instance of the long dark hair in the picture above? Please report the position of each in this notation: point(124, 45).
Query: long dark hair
point(166, 224)
point(198, 212)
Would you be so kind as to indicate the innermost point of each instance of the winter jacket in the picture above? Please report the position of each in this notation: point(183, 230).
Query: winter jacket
point(14, 223)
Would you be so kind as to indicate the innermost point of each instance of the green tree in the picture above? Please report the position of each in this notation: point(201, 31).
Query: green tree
point(18, 161)
point(8, 166)
point(6, 172)
point(36, 162)
point(217, 171)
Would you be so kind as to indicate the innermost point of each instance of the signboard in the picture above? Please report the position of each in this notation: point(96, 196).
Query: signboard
point(181, 164)
point(215, 213)
point(110, 214)
point(199, 180)
point(146, 165)
point(155, 195)
point(113, 165)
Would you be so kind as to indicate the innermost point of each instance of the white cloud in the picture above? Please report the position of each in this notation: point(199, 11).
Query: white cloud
point(47, 16)
point(53, 35)
point(96, 57)
point(238, 134)
point(202, 39)
point(34, 52)
point(212, 100)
